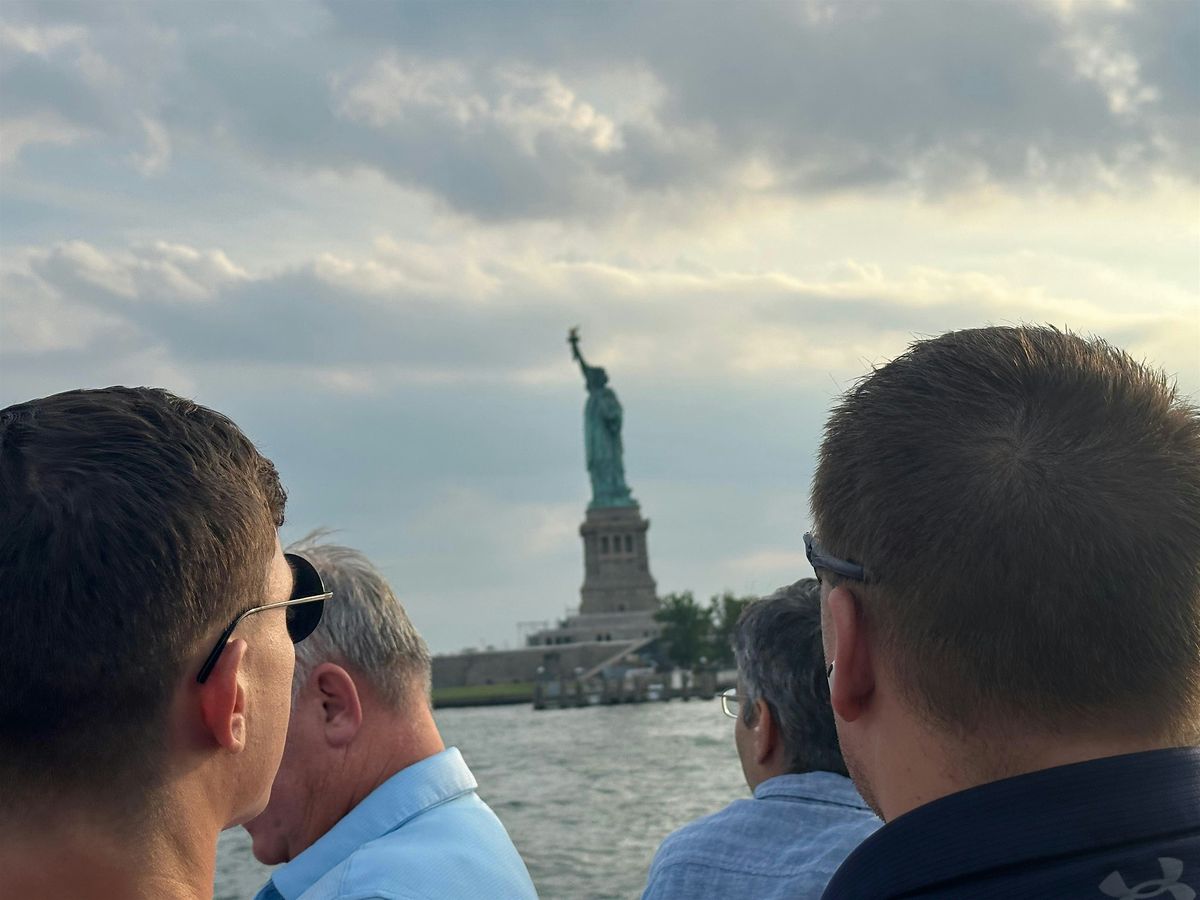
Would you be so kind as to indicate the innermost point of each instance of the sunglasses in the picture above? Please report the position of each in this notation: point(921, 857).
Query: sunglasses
point(304, 609)
point(819, 559)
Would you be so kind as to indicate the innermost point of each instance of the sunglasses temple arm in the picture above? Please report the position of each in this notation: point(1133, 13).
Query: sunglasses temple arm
point(211, 662)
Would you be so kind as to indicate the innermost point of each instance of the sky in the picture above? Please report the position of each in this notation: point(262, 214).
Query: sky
point(362, 230)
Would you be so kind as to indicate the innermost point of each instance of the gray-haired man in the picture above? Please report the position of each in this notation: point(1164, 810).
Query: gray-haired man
point(368, 802)
point(806, 816)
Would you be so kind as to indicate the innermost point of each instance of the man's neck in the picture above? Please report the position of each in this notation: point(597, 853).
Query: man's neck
point(86, 857)
point(390, 743)
point(920, 768)
point(765, 772)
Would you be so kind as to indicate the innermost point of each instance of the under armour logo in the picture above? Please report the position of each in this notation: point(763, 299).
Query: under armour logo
point(1114, 885)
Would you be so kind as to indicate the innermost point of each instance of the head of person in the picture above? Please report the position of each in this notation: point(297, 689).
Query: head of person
point(1020, 509)
point(135, 526)
point(361, 706)
point(784, 723)
point(597, 377)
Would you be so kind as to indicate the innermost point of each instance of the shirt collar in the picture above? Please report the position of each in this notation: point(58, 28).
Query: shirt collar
point(1052, 813)
point(824, 787)
point(405, 795)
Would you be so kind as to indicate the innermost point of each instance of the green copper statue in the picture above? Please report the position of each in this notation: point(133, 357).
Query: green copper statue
point(602, 435)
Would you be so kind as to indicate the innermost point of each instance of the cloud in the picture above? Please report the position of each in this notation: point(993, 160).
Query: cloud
point(38, 40)
point(159, 273)
point(457, 312)
point(531, 113)
point(38, 128)
point(68, 77)
point(531, 104)
point(501, 141)
point(153, 160)
point(934, 97)
point(35, 319)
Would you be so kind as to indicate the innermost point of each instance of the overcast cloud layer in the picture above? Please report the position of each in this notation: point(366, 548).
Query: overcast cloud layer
point(362, 230)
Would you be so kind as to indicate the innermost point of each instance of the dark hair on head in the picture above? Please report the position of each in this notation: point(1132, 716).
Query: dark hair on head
point(1027, 503)
point(777, 644)
point(134, 525)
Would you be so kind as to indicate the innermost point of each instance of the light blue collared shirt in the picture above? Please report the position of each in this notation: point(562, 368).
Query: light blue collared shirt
point(423, 834)
point(785, 843)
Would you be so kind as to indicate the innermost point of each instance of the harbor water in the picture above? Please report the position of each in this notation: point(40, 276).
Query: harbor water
point(586, 794)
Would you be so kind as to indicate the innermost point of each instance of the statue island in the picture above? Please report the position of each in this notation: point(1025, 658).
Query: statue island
point(618, 598)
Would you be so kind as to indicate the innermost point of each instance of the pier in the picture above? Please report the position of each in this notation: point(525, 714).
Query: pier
point(623, 678)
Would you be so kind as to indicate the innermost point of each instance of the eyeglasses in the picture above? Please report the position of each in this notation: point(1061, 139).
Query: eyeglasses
point(304, 609)
point(730, 702)
point(819, 559)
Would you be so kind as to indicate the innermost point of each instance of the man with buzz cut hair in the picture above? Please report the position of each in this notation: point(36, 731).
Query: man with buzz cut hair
point(368, 801)
point(805, 816)
point(1007, 530)
point(146, 629)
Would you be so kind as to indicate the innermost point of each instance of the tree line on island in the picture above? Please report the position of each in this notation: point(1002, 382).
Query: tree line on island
point(696, 635)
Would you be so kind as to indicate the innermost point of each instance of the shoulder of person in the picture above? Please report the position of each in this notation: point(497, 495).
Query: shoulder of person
point(703, 835)
point(458, 848)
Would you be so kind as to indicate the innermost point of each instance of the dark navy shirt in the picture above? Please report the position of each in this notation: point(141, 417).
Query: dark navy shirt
point(1122, 827)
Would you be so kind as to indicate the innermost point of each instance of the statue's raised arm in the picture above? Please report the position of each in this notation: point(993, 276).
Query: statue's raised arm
point(594, 377)
point(573, 340)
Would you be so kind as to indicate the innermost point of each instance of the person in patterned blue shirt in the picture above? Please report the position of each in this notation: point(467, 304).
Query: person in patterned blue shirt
point(368, 801)
point(805, 815)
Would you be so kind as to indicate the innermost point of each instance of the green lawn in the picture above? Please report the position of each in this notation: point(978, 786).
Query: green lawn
point(484, 694)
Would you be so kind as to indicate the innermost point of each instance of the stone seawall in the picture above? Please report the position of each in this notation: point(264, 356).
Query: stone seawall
point(502, 666)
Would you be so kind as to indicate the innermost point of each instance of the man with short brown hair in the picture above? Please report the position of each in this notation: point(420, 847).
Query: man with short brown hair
point(1007, 527)
point(146, 631)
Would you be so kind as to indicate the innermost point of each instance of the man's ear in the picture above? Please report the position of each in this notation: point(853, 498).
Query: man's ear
point(341, 705)
point(852, 681)
point(223, 699)
point(765, 731)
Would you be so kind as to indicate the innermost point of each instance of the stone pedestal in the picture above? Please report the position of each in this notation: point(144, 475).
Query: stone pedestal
point(616, 563)
point(618, 598)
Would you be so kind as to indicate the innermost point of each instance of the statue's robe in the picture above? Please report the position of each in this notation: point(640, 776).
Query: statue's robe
point(602, 436)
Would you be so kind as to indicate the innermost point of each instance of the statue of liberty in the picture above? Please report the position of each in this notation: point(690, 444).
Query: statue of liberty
point(602, 435)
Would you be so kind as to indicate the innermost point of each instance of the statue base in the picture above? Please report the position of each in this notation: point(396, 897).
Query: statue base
point(616, 563)
point(619, 597)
